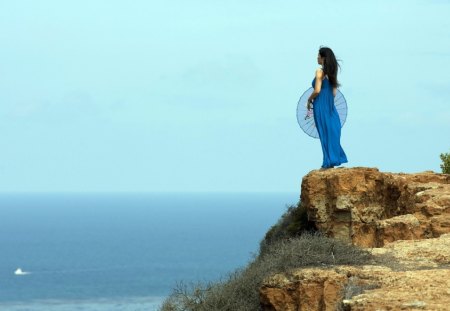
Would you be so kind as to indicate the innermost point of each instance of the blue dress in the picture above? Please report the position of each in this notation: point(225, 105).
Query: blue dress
point(328, 126)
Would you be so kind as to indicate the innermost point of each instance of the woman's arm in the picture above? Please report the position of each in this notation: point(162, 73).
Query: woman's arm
point(334, 91)
point(317, 86)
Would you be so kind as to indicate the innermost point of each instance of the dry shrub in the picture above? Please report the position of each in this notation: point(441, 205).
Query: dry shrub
point(240, 290)
point(294, 222)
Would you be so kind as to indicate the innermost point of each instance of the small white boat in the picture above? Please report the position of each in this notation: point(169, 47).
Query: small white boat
point(20, 272)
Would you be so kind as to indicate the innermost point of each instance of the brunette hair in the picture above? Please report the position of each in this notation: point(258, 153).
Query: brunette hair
point(330, 65)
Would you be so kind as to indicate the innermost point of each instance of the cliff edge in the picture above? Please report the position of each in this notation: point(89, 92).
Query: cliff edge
point(403, 217)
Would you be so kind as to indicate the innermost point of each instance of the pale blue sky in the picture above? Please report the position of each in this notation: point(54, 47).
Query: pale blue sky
point(201, 95)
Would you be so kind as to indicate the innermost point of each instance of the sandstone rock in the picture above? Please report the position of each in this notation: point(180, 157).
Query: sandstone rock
point(405, 217)
point(369, 287)
point(371, 208)
point(415, 254)
point(308, 289)
point(408, 290)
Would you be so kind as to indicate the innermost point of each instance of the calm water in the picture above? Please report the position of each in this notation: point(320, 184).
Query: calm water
point(124, 251)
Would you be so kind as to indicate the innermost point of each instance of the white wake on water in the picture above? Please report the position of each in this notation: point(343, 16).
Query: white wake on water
point(20, 272)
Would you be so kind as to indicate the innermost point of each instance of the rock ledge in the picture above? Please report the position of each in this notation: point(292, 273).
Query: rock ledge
point(405, 216)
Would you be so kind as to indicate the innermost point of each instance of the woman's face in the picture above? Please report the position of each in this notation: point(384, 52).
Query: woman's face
point(319, 59)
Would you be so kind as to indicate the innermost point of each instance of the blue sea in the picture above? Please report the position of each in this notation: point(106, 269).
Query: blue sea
point(124, 251)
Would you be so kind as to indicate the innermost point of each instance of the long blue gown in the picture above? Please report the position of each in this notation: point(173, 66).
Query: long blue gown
point(328, 126)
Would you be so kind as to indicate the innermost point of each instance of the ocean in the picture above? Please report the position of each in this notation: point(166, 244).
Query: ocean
point(124, 251)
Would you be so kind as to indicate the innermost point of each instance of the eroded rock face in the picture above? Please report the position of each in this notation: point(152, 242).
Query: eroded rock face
point(404, 216)
point(370, 208)
point(307, 289)
point(377, 288)
point(369, 287)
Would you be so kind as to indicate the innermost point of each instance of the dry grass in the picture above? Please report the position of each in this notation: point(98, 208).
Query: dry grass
point(239, 291)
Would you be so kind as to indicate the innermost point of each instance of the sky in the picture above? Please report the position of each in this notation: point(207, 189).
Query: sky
point(201, 95)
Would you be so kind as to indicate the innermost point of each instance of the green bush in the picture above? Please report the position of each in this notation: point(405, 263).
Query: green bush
point(445, 166)
point(240, 290)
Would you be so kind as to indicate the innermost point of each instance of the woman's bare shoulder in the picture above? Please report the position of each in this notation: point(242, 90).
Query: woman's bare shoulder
point(319, 72)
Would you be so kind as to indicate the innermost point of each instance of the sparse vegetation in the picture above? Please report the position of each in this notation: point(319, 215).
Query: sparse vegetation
point(292, 223)
point(239, 291)
point(356, 286)
point(445, 166)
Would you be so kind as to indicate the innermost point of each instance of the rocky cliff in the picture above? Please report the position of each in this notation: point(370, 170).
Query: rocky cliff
point(402, 216)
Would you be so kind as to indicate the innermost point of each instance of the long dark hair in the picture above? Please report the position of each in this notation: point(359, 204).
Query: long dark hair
point(330, 65)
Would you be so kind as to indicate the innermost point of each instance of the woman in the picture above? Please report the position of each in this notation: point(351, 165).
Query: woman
point(326, 116)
